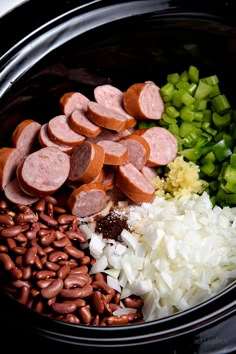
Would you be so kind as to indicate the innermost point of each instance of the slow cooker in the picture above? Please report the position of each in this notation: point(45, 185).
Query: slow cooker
point(50, 48)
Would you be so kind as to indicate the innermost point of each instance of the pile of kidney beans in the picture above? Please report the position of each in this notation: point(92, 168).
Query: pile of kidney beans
point(45, 263)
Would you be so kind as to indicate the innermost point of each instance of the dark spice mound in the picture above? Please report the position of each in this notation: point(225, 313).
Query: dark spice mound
point(112, 225)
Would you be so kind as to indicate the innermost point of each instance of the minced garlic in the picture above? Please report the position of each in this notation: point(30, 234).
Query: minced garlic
point(181, 179)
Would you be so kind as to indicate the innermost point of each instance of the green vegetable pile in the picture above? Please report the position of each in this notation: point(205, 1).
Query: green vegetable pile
point(201, 118)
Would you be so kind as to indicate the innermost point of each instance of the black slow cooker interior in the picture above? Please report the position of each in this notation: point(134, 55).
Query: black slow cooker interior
point(118, 44)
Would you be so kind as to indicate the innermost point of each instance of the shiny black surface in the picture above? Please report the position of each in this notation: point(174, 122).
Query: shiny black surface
point(77, 45)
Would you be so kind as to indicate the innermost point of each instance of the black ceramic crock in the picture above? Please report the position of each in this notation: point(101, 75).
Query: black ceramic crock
point(76, 45)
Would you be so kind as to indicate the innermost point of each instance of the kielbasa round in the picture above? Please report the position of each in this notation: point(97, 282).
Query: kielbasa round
point(45, 141)
point(87, 200)
point(82, 125)
point(24, 137)
point(43, 172)
point(138, 150)
point(144, 101)
point(9, 160)
point(134, 184)
point(71, 101)
point(115, 153)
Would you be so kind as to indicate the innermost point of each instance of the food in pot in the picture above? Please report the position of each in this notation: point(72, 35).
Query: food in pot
point(121, 232)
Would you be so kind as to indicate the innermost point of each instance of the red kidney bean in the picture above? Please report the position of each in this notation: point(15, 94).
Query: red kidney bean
point(38, 262)
point(6, 220)
point(74, 252)
point(53, 289)
point(99, 277)
point(78, 280)
point(19, 250)
point(85, 314)
point(22, 218)
point(6, 261)
point(50, 199)
point(40, 250)
point(63, 308)
point(34, 292)
point(46, 240)
point(26, 272)
point(107, 309)
point(109, 297)
point(113, 307)
point(78, 270)
point(44, 283)
point(20, 238)
point(30, 255)
point(3, 248)
point(63, 242)
point(24, 295)
point(48, 249)
point(11, 243)
point(44, 274)
point(72, 263)
point(11, 231)
point(43, 232)
point(40, 205)
point(25, 227)
point(135, 303)
point(77, 302)
point(3, 204)
point(52, 266)
point(51, 301)
point(71, 318)
point(118, 320)
point(134, 315)
point(63, 271)
point(30, 303)
point(32, 233)
point(87, 290)
point(60, 235)
point(66, 219)
point(20, 283)
point(96, 321)
point(84, 260)
point(50, 221)
point(102, 285)
point(76, 236)
point(19, 261)
point(57, 256)
point(59, 210)
point(49, 209)
point(98, 302)
point(15, 273)
point(38, 307)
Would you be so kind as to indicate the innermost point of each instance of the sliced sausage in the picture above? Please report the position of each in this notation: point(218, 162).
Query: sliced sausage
point(110, 135)
point(106, 117)
point(111, 97)
point(60, 132)
point(82, 125)
point(144, 101)
point(9, 160)
point(71, 101)
point(14, 193)
point(108, 181)
point(163, 145)
point(149, 172)
point(115, 153)
point(45, 141)
point(24, 137)
point(43, 172)
point(138, 150)
point(86, 162)
point(134, 185)
point(87, 200)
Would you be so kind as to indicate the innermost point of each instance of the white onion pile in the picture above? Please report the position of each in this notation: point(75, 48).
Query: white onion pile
point(180, 253)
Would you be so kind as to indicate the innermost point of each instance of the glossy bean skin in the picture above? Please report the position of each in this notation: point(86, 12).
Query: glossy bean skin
point(63, 271)
point(81, 293)
point(11, 231)
point(6, 220)
point(53, 289)
point(30, 255)
point(6, 261)
point(63, 308)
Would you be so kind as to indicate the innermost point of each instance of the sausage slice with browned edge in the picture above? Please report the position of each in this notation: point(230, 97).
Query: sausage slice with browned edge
point(24, 137)
point(45, 141)
point(138, 150)
point(163, 145)
point(82, 125)
point(106, 117)
point(134, 184)
point(60, 132)
point(86, 162)
point(87, 200)
point(14, 193)
point(9, 160)
point(144, 101)
point(111, 97)
point(43, 172)
point(107, 134)
point(115, 153)
point(71, 101)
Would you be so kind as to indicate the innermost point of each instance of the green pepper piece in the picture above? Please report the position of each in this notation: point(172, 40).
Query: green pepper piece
point(221, 150)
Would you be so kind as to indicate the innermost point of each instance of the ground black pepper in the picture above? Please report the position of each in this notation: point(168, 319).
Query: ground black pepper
point(112, 225)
